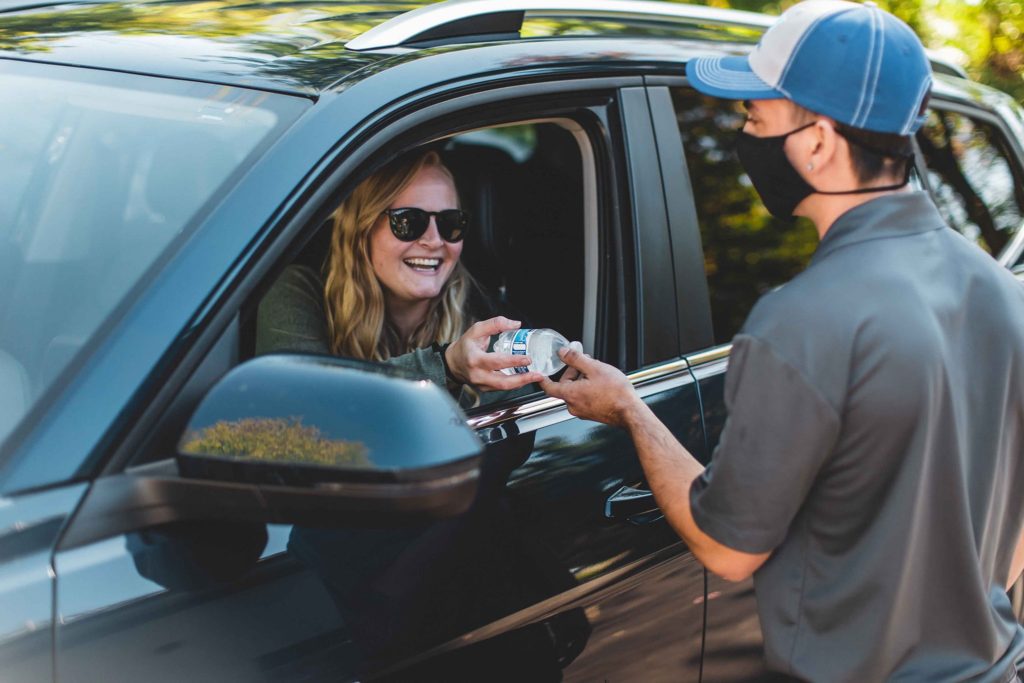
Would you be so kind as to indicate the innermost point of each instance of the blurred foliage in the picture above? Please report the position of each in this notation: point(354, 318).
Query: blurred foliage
point(982, 36)
point(747, 252)
point(276, 440)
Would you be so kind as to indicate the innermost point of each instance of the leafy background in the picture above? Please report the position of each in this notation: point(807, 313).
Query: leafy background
point(983, 36)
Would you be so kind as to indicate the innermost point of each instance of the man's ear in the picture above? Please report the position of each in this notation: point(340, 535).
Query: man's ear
point(826, 148)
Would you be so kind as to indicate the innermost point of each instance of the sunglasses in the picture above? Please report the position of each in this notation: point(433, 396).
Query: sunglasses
point(410, 224)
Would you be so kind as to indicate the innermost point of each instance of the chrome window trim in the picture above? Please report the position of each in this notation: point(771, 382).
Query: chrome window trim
point(708, 356)
point(1012, 252)
point(546, 411)
point(406, 27)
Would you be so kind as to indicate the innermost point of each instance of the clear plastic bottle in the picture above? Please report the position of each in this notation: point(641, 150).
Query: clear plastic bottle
point(541, 345)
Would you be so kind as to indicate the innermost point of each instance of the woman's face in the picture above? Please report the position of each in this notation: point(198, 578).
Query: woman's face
point(414, 272)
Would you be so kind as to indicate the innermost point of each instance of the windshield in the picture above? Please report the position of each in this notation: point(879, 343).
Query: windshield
point(101, 173)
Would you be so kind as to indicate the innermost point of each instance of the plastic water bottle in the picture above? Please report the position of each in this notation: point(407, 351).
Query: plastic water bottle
point(541, 345)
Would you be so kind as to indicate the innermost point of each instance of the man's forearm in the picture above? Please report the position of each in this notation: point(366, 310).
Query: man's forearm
point(671, 470)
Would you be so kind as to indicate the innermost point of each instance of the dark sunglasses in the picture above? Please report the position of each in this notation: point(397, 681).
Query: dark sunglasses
point(410, 224)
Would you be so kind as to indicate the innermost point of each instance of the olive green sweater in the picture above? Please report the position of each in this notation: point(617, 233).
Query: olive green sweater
point(291, 318)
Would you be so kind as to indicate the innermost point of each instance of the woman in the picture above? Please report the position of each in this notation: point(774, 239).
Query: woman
point(395, 290)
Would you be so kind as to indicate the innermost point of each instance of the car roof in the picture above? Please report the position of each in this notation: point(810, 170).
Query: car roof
point(292, 46)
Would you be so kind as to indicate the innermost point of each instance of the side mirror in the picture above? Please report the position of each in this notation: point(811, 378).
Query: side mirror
point(327, 441)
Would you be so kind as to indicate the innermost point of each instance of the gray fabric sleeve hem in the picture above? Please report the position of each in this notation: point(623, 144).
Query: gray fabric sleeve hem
point(778, 434)
point(724, 533)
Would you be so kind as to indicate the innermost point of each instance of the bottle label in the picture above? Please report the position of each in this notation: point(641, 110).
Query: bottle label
point(519, 346)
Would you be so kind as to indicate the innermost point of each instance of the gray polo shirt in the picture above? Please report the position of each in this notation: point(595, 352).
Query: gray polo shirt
point(874, 444)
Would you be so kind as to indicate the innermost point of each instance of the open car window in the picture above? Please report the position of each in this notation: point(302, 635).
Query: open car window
point(530, 245)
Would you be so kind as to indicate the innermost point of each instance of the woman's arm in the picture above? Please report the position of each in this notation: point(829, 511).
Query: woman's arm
point(291, 318)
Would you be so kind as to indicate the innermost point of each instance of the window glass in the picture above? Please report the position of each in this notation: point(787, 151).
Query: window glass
point(746, 251)
point(102, 176)
point(977, 185)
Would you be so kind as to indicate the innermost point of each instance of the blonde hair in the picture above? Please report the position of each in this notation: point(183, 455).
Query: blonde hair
point(357, 321)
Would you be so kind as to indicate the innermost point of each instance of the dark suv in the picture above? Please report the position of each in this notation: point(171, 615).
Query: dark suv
point(163, 162)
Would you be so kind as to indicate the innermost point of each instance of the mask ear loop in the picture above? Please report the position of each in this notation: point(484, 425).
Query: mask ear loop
point(908, 168)
point(906, 158)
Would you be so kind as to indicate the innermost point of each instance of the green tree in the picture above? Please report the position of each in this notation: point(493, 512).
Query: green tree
point(275, 440)
point(982, 36)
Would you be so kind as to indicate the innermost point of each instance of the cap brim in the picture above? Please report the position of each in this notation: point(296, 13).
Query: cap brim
point(728, 77)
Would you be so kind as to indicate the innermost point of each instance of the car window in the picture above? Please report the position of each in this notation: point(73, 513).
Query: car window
point(524, 183)
point(746, 251)
point(99, 180)
point(975, 179)
point(525, 247)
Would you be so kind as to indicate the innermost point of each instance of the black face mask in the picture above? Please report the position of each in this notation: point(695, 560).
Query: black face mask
point(780, 186)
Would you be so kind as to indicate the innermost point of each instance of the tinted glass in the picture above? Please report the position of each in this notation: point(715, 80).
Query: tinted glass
point(976, 182)
point(746, 251)
point(99, 180)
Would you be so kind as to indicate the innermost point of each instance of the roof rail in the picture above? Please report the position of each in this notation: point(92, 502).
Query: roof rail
point(21, 5)
point(454, 19)
point(450, 20)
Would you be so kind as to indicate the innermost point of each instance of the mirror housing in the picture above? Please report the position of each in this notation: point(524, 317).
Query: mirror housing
point(326, 441)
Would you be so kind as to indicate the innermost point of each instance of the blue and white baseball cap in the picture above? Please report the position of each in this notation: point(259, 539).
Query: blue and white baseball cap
point(852, 62)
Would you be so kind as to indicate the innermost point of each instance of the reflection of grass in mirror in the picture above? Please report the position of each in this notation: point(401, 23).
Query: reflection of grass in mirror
point(275, 440)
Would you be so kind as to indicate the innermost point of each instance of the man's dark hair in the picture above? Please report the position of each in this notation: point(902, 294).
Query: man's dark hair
point(875, 154)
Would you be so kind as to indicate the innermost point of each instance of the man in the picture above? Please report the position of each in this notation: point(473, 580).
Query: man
point(869, 473)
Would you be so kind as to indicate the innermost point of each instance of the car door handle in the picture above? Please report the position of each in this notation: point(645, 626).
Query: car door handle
point(633, 505)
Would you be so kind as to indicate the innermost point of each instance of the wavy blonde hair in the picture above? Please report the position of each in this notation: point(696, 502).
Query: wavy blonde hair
point(357, 321)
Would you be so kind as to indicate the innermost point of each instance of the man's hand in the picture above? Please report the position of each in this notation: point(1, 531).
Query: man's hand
point(470, 362)
point(594, 390)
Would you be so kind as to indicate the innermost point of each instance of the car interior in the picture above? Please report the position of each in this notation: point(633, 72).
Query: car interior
point(531, 191)
point(523, 186)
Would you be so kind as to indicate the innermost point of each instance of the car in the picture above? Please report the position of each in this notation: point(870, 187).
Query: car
point(165, 161)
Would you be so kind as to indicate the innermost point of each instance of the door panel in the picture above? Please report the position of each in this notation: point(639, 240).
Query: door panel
point(735, 647)
point(161, 605)
point(235, 602)
point(29, 527)
point(588, 614)
point(520, 587)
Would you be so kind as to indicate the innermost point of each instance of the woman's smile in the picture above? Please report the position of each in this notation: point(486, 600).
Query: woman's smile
point(413, 273)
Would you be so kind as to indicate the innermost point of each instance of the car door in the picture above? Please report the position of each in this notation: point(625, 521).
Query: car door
point(746, 252)
point(555, 572)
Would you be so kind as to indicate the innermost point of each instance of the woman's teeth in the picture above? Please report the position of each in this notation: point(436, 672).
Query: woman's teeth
point(429, 264)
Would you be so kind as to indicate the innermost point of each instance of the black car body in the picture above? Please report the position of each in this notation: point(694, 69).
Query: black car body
point(166, 160)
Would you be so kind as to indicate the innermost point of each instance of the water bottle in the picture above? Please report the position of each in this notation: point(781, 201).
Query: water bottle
point(541, 345)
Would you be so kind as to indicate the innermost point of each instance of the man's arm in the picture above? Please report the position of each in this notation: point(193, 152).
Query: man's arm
point(670, 471)
point(596, 391)
point(1017, 565)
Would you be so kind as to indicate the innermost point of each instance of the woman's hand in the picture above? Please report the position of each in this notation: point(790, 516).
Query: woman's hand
point(469, 362)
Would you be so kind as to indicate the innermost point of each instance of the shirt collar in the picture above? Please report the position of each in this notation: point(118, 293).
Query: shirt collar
point(892, 215)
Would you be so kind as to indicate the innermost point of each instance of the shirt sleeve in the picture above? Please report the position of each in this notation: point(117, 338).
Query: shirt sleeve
point(291, 317)
point(778, 433)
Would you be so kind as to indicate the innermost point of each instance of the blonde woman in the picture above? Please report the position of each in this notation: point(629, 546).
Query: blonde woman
point(394, 289)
